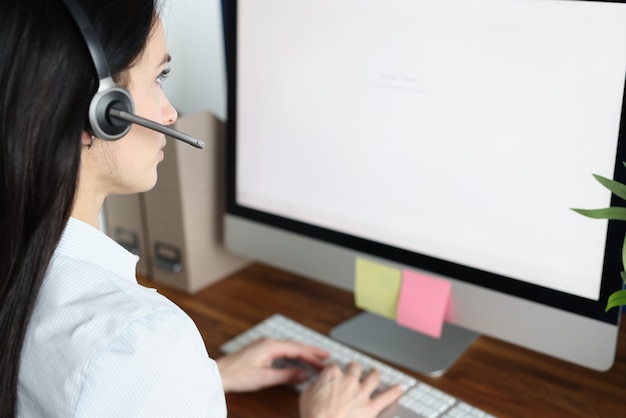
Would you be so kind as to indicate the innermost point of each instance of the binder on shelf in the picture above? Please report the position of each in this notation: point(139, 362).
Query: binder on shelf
point(184, 211)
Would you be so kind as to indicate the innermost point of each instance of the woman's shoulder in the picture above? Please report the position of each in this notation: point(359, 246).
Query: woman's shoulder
point(90, 289)
point(85, 312)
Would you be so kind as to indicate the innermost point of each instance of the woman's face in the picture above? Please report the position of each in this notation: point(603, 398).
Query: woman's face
point(132, 160)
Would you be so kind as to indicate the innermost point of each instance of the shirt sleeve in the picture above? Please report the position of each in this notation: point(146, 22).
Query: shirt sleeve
point(157, 367)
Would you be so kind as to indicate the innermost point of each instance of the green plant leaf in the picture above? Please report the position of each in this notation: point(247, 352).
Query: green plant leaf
point(617, 213)
point(617, 188)
point(624, 259)
point(616, 299)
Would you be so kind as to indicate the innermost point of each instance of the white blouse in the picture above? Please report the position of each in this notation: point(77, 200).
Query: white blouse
point(101, 345)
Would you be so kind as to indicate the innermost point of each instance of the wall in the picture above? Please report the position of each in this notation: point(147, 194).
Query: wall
point(195, 39)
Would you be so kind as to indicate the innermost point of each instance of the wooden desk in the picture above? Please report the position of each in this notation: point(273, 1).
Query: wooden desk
point(500, 378)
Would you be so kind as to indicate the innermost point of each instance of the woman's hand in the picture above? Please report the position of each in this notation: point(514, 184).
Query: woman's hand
point(250, 368)
point(336, 394)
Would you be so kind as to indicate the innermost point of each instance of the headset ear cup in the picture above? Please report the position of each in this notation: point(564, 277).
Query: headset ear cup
point(110, 95)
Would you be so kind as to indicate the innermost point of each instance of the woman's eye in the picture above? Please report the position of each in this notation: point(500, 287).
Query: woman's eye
point(164, 74)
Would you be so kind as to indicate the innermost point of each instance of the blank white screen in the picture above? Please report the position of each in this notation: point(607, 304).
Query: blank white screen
point(463, 130)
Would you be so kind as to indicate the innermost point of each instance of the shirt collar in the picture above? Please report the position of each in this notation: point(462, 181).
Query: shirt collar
point(82, 241)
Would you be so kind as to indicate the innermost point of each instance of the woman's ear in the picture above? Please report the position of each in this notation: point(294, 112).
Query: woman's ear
point(87, 139)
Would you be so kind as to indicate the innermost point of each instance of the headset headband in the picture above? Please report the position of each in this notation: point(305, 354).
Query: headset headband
point(90, 37)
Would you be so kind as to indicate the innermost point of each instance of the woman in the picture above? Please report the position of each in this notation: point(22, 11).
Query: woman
point(78, 335)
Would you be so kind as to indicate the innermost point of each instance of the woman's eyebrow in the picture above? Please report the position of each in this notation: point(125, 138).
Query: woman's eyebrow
point(166, 58)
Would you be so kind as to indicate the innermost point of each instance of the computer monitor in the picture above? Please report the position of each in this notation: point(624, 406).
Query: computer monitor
point(445, 137)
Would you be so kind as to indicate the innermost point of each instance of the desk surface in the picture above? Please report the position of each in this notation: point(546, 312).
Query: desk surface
point(500, 378)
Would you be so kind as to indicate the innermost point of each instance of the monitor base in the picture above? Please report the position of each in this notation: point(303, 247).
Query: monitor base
point(384, 338)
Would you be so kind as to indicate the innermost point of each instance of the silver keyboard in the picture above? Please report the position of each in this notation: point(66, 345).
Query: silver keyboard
point(419, 400)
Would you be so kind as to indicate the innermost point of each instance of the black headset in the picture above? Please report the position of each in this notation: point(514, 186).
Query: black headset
point(112, 109)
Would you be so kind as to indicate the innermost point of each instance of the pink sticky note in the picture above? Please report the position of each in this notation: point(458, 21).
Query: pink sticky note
point(423, 303)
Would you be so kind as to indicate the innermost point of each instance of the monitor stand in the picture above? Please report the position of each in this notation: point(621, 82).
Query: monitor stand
point(387, 340)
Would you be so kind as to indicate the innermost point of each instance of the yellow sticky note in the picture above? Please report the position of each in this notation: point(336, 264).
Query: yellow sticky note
point(376, 287)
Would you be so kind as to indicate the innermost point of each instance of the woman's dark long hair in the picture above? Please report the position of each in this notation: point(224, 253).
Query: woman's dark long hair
point(47, 80)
